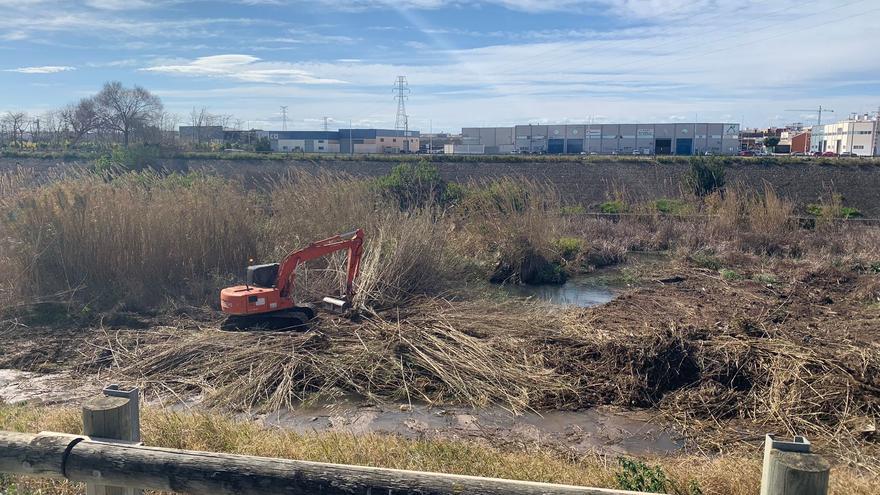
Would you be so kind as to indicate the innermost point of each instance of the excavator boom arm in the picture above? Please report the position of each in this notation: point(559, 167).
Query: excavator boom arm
point(353, 241)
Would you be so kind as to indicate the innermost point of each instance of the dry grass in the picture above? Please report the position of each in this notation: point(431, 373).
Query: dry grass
point(132, 239)
point(727, 360)
point(435, 352)
point(721, 475)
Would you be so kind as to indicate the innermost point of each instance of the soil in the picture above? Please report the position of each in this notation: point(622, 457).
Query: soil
point(787, 310)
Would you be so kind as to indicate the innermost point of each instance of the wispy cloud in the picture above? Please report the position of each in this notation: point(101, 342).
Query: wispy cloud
point(245, 68)
point(42, 69)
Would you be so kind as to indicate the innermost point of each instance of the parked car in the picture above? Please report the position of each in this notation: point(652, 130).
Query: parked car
point(829, 154)
point(746, 153)
point(849, 154)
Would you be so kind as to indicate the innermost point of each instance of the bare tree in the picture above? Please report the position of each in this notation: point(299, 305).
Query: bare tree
point(198, 120)
point(124, 110)
point(51, 126)
point(81, 118)
point(17, 122)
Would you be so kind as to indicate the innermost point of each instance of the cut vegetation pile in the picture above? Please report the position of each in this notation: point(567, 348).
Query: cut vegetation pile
point(763, 322)
point(800, 356)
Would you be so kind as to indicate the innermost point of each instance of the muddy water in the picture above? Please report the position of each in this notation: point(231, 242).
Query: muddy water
point(579, 291)
point(18, 386)
point(594, 430)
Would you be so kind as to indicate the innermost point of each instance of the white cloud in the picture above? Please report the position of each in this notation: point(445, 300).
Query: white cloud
point(120, 4)
point(42, 69)
point(245, 68)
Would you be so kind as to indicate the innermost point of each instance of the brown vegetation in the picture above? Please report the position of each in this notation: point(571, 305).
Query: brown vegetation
point(727, 474)
point(761, 322)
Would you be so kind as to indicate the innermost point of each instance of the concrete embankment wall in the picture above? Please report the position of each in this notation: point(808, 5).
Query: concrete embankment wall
point(582, 183)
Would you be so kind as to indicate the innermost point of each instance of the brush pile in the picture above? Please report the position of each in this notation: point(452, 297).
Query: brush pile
point(800, 357)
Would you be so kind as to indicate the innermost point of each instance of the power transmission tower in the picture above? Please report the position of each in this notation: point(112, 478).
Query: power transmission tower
point(283, 117)
point(326, 125)
point(401, 90)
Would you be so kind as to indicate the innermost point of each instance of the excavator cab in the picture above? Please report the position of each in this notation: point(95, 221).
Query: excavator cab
point(266, 299)
point(263, 275)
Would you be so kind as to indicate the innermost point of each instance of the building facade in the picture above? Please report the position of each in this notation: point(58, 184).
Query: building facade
point(859, 135)
point(606, 139)
point(361, 141)
point(800, 143)
point(372, 141)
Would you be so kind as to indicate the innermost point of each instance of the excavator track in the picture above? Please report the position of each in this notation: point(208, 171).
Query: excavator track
point(298, 319)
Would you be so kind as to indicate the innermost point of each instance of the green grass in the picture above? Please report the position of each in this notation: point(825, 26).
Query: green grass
point(729, 275)
point(672, 206)
point(703, 259)
point(615, 206)
point(765, 278)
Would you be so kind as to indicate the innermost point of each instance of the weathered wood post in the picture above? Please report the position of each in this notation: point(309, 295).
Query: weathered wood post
point(115, 415)
point(790, 468)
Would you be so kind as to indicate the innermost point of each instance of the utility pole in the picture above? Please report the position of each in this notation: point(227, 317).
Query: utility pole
point(430, 136)
point(326, 126)
point(283, 117)
point(350, 140)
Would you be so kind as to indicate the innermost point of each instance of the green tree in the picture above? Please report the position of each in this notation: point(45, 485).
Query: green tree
point(770, 142)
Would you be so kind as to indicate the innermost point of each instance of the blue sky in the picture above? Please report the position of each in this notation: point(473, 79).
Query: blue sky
point(478, 62)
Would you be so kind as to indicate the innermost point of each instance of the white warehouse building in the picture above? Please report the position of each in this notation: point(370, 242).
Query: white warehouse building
point(859, 135)
point(606, 139)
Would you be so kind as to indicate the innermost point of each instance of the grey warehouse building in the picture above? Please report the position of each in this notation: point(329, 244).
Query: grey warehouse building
point(606, 139)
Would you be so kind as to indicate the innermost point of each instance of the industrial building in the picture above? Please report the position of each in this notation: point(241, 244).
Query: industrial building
point(858, 135)
point(604, 139)
point(361, 141)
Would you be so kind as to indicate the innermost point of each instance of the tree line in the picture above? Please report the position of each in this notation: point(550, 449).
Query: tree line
point(116, 115)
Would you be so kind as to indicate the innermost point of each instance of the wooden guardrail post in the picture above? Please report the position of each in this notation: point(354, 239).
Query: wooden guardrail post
point(791, 469)
point(115, 415)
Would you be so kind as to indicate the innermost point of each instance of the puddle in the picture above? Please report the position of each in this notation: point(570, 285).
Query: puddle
point(18, 386)
point(594, 430)
point(584, 292)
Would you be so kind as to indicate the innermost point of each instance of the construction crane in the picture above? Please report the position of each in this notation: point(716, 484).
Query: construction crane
point(819, 110)
point(265, 301)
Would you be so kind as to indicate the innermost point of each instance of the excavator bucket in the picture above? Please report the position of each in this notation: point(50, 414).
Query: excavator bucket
point(336, 304)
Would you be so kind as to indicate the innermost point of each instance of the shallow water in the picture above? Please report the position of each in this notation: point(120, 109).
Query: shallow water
point(581, 291)
point(593, 430)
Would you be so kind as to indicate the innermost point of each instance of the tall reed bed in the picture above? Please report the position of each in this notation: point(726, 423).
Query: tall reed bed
point(131, 239)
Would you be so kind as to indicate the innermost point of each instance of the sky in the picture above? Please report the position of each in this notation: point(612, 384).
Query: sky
point(468, 63)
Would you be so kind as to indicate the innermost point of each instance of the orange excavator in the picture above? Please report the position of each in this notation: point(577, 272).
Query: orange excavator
point(266, 299)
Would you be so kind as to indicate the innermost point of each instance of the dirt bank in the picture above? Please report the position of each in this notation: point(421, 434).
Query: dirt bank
point(582, 183)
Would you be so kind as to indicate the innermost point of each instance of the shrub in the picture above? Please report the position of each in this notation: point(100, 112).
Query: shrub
point(614, 206)
point(568, 247)
point(637, 476)
point(415, 186)
point(705, 176)
point(571, 210)
point(833, 208)
point(133, 158)
point(671, 206)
